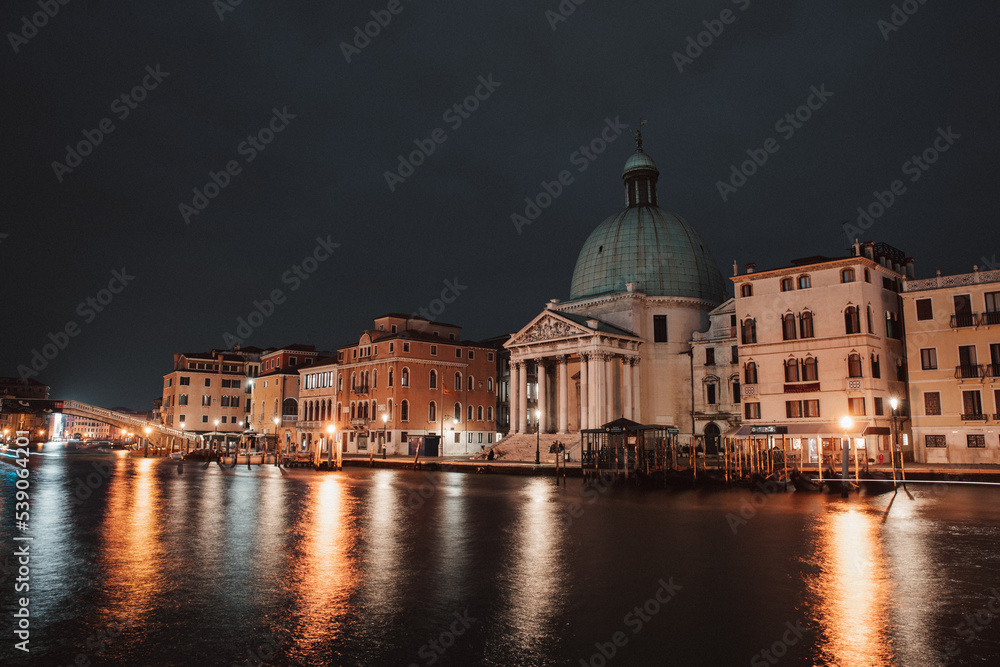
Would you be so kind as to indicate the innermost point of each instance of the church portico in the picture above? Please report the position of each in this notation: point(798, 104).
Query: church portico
point(584, 373)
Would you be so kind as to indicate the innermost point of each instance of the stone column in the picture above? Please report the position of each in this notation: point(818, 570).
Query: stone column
point(636, 396)
point(584, 394)
point(609, 388)
point(522, 408)
point(515, 386)
point(627, 387)
point(596, 376)
point(563, 394)
point(543, 403)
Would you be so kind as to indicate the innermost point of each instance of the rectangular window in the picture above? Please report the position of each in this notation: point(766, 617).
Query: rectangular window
point(472, 354)
point(489, 356)
point(996, 403)
point(204, 419)
point(710, 393)
point(812, 408)
point(434, 350)
point(470, 437)
point(751, 410)
point(856, 406)
point(458, 353)
point(976, 440)
point(709, 356)
point(735, 354)
point(793, 409)
point(185, 380)
point(972, 404)
point(876, 368)
point(392, 348)
point(224, 419)
point(932, 403)
point(879, 410)
point(659, 328)
point(406, 347)
point(736, 391)
point(928, 358)
point(925, 309)
point(933, 441)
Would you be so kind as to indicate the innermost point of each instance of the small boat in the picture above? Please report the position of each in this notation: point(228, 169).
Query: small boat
point(876, 482)
point(803, 482)
point(177, 456)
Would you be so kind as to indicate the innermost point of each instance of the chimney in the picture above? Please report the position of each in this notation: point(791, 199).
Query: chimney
point(751, 267)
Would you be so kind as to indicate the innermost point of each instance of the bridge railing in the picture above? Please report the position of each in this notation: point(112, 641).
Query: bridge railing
point(118, 416)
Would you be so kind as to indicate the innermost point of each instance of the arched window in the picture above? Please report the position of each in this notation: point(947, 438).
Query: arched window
point(354, 381)
point(479, 413)
point(810, 370)
point(786, 284)
point(433, 381)
point(791, 370)
point(489, 413)
point(788, 327)
point(404, 378)
point(458, 412)
point(852, 324)
point(470, 414)
point(806, 325)
point(374, 410)
point(805, 282)
point(390, 377)
point(353, 410)
point(432, 411)
point(388, 408)
point(340, 411)
point(275, 407)
point(869, 315)
point(746, 289)
point(375, 379)
point(340, 381)
point(749, 331)
point(854, 365)
point(847, 276)
point(750, 373)
point(404, 411)
point(489, 384)
point(472, 383)
point(458, 381)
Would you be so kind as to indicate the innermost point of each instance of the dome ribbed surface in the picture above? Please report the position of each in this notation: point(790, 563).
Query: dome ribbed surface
point(655, 249)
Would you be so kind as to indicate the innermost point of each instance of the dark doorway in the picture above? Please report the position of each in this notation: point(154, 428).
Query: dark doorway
point(711, 439)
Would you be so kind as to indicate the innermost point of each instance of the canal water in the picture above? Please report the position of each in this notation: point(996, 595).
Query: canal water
point(134, 562)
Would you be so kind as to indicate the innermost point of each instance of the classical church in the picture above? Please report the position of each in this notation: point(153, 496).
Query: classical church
point(618, 347)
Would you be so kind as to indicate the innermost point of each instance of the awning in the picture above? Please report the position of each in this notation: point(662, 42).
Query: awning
point(813, 428)
point(878, 430)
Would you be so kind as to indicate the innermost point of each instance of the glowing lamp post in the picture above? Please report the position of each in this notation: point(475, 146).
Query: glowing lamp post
point(845, 423)
point(182, 437)
point(385, 421)
point(147, 431)
point(330, 430)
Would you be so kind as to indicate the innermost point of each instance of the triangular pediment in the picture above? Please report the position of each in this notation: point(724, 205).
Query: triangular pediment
point(548, 326)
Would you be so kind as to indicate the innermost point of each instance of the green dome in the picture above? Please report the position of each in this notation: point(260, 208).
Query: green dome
point(655, 249)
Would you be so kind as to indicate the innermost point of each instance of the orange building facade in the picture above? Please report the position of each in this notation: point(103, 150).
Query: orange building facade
point(408, 382)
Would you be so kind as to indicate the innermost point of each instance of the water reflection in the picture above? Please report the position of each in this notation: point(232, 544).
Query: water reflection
point(131, 545)
point(852, 588)
point(384, 519)
point(535, 592)
point(324, 574)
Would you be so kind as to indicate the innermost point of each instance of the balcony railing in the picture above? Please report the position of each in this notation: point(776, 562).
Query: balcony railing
point(289, 418)
point(996, 417)
point(993, 370)
point(964, 320)
point(990, 318)
point(360, 389)
point(974, 417)
point(969, 372)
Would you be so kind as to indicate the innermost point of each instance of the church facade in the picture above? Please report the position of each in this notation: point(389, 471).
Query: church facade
point(644, 282)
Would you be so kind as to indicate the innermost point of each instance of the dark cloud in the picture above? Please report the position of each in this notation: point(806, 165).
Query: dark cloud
point(323, 174)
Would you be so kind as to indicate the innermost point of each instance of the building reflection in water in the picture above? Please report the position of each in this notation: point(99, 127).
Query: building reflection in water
point(323, 573)
point(851, 591)
point(535, 594)
point(131, 544)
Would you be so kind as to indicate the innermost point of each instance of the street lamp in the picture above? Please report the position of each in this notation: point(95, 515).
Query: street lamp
point(845, 423)
point(894, 403)
point(277, 421)
point(216, 438)
point(538, 436)
point(330, 429)
point(147, 430)
point(385, 421)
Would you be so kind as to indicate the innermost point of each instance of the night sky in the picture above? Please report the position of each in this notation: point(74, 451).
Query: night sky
point(215, 75)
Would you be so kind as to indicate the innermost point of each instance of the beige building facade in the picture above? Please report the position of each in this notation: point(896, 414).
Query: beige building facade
point(953, 352)
point(820, 340)
point(716, 389)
